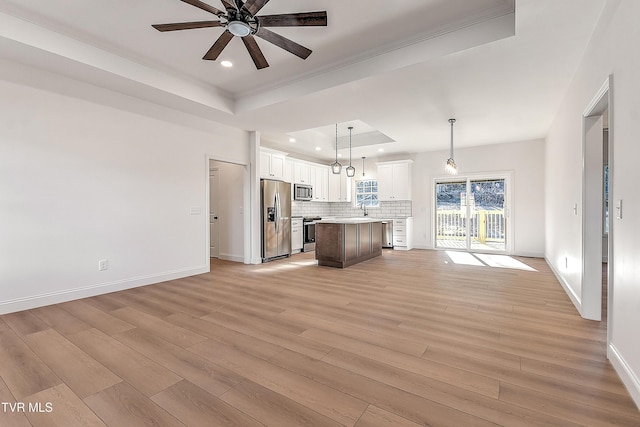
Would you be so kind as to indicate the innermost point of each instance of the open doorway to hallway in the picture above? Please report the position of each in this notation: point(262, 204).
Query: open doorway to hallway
point(226, 211)
point(597, 253)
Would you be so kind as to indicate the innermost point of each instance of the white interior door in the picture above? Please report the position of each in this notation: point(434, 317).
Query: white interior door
point(214, 209)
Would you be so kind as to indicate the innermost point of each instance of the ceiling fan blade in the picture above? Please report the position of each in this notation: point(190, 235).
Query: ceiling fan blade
point(229, 4)
point(255, 52)
point(254, 6)
point(204, 6)
point(186, 25)
point(305, 19)
point(218, 46)
point(284, 43)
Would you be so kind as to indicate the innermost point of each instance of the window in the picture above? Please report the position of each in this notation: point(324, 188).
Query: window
point(367, 193)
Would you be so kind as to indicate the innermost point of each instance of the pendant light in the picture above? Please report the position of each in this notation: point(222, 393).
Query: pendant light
point(363, 174)
point(451, 167)
point(336, 167)
point(351, 171)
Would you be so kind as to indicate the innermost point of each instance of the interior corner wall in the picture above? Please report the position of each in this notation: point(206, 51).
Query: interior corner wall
point(82, 181)
point(524, 159)
point(614, 51)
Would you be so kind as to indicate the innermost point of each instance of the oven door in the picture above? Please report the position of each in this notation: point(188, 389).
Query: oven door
point(309, 237)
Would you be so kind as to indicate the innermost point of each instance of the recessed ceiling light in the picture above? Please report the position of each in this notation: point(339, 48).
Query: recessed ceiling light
point(292, 140)
point(318, 148)
point(227, 64)
point(380, 150)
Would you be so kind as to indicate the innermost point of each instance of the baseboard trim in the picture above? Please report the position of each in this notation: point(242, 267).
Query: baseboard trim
point(575, 299)
point(626, 374)
point(41, 300)
point(231, 257)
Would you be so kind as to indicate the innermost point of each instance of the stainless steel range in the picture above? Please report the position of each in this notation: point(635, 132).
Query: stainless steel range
point(309, 226)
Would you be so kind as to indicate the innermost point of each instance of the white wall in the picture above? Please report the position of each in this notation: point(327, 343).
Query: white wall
point(82, 181)
point(524, 159)
point(231, 210)
point(613, 50)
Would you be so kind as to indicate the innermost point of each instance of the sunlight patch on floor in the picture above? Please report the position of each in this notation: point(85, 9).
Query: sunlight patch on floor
point(487, 260)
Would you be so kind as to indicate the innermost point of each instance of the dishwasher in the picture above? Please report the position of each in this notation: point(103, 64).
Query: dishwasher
point(387, 233)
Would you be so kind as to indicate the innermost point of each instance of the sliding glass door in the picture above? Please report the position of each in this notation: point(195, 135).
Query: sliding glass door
point(471, 214)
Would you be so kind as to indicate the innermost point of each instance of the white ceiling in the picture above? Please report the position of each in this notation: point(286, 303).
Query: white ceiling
point(400, 69)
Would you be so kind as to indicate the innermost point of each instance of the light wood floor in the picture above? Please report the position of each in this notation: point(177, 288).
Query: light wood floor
point(406, 339)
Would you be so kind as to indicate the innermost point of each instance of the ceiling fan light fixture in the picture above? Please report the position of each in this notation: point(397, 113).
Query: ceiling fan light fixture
point(239, 28)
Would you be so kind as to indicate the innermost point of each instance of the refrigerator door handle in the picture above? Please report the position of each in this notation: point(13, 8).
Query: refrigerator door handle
point(276, 203)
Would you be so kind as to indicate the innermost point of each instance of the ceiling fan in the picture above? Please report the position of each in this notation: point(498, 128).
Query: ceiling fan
point(240, 20)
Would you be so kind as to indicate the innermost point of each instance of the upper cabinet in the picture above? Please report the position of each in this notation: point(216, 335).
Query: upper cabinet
point(339, 187)
point(272, 164)
point(394, 180)
point(301, 173)
point(320, 182)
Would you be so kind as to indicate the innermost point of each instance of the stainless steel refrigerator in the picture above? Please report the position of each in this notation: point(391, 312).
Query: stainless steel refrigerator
point(276, 219)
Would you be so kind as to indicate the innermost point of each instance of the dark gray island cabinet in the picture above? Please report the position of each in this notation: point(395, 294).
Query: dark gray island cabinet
point(344, 242)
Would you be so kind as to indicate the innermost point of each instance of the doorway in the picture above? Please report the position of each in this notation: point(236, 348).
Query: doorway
point(471, 213)
point(597, 230)
point(227, 202)
point(214, 206)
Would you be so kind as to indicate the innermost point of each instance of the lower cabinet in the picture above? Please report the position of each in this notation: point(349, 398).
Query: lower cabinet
point(402, 233)
point(344, 244)
point(297, 237)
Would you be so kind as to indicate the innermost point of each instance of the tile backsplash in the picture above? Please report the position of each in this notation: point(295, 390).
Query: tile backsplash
point(400, 209)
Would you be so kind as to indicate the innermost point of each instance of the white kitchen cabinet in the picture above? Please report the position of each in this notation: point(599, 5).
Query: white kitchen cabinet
point(339, 187)
point(272, 164)
point(320, 182)
point(402, 234)
point(301, 173)
point(394, 180)
point(297, 237)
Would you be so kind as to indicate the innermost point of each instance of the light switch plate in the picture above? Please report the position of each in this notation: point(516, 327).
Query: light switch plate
point(619, 209)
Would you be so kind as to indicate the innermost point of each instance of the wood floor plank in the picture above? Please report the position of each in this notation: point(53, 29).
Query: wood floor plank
point(22, 370)
point(169, 332)
point(551, 386)
point(123, 405)
point(211, 377)
point(84, 377)
point(376, 417)
point(248, 344)
point(273, 409)
point(255, 329)
point(24, 322)
point(325, 400)
point(8, 417)
point(571, 411)
point(197, 408)
point(95, 317)
point(464, 379)
point(385, 340)
point(456, 406)
point(61, 320)
point(143, 373)
point(67, 409)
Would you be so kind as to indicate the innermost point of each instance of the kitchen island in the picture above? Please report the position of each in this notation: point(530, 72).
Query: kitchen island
point(343, 242)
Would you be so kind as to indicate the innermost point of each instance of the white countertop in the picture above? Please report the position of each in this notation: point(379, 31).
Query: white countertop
point(357, 220)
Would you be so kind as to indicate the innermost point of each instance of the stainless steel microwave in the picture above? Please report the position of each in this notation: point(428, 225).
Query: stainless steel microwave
point(302, 192)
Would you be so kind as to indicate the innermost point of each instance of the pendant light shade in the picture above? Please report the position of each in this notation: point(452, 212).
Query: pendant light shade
point(351, 171)
point(336, 167)
point(451, 166)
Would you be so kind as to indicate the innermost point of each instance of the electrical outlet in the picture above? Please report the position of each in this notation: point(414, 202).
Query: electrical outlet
point(103, 264)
